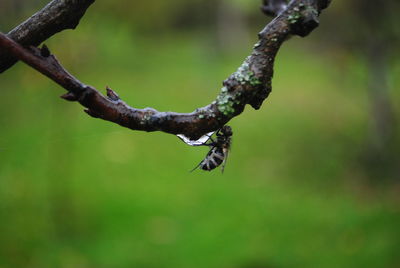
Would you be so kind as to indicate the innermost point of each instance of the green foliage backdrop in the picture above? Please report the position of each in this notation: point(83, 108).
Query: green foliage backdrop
point(79, 192)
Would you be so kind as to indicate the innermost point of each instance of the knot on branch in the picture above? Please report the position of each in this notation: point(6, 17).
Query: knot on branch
point(44, 51)
point(92, 113)
point(111, 94)
point(70, 97)
point(303, 19)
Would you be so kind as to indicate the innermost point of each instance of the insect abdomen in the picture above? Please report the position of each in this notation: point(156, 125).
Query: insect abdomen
point(213, 159)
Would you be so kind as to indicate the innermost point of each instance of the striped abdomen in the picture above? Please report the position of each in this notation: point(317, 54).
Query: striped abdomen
point(214, 158)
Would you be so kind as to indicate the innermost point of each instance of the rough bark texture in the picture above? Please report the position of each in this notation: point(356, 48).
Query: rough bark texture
point(56, 16)
point(250, 84)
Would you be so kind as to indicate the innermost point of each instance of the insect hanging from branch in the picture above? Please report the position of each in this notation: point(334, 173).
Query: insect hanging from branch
point(219, 148)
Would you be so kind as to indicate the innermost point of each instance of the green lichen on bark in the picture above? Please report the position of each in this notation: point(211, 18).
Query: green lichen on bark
point(300, 12)
point(204, 112)
point(295, 16)
point(225, 102)
point(245, 75)
point(229, 97)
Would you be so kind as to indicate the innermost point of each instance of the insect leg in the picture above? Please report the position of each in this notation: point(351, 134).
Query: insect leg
point(209, 142)
point(196, 167)
point(205, 144)
point(226, 153)
point(212, 143)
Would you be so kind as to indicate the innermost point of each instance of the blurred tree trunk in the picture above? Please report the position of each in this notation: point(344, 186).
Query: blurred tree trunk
point(232, 31)
point(381, 103)
point(378, 43)
point(381, 155)
point(63, 211)
point(12, 10)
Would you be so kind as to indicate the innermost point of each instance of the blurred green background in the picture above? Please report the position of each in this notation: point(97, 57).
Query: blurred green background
point(312, 179)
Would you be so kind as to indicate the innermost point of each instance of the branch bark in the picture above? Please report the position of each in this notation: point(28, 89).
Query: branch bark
point(56, 16)
point(250, 84)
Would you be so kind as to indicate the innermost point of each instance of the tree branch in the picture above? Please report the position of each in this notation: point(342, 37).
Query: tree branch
point(56, 16)
point(250, 84)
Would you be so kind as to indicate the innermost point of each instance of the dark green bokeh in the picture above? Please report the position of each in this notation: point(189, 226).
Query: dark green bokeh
point(79, 192)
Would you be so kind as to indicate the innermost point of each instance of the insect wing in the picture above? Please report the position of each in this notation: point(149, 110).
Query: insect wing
point(201, 141)
point(226, 153)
